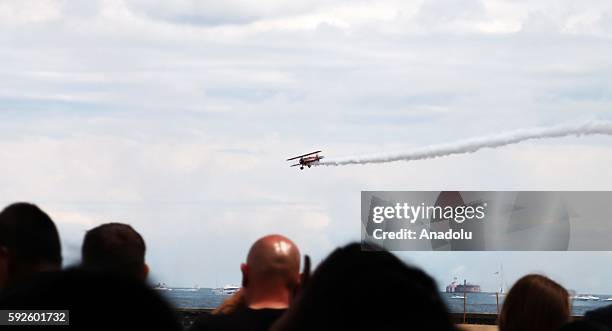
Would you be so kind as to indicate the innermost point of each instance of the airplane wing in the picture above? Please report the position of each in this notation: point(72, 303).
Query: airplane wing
point(297, 157)
point(295, 165)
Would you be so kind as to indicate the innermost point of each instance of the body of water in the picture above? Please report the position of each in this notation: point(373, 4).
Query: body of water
point(485, 302)
point(475, 302)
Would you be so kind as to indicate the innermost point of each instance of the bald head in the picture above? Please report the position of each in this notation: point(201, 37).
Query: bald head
point(272, 266)
point(274, 256)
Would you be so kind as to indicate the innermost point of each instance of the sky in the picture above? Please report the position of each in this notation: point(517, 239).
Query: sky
point(177, 117)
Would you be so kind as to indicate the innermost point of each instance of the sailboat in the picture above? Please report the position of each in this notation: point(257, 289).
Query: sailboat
point(500, 273)
point(501, 280)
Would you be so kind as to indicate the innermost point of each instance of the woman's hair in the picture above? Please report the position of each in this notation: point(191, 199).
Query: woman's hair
point(354, 289)
point(535, 302)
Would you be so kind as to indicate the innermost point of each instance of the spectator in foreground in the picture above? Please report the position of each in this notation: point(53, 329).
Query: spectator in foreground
point(535, 302)
point(96, 301)
point(236, 300)
point(366, 290)
point(29, 244)
point(583, 325)
point(116, 248)
point(601, 316)
point(269, 276)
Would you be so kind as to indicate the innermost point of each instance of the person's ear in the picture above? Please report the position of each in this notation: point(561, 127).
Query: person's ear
point(302, 279)
point(4, 266)
point(245, 274)
point(305, 275)
point(145, 271)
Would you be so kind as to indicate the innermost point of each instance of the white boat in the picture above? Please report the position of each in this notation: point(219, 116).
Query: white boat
point(161, 286)
point(586, 298)
point(189, 289)
point(195, 288)
point(458, 297)
point(579, 298)
point(226, 290)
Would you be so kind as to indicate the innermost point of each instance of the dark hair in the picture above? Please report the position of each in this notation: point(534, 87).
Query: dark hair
point(30, 235)
point(367, 290)
point(114, 247)
point(95, 300)
point(535, 302)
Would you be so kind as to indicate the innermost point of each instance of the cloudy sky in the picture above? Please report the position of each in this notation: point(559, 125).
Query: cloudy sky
point(176, 117)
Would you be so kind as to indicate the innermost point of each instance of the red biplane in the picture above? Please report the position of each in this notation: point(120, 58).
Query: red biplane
point(306, 159)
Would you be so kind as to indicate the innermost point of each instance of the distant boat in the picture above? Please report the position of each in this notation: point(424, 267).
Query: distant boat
point(588, 298)
point(226, 290)
point(161, 286)
point(188, 289)
point(458, 297)
point(455, 287)
point(195, 288)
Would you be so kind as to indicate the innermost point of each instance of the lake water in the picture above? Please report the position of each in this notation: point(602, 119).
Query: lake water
point(475, 303)
point(485, 302)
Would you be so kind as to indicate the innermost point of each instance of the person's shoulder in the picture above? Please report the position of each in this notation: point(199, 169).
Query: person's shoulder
point(601, 315)
point(23, 292)
point(260, 319)
point(240, 319)
point(607, 310)
point(209, 322)
point(268, 312)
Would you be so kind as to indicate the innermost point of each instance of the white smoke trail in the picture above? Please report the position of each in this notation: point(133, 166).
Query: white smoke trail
point(474, 144)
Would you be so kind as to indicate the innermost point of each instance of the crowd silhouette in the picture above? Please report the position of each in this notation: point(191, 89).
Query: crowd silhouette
point(351, 289)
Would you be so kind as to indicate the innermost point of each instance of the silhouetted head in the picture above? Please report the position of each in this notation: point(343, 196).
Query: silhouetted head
point(96, 301)
point(535, 302)
point(366, 290)
point(29, 243)
point(115, 247)
point(271, 272)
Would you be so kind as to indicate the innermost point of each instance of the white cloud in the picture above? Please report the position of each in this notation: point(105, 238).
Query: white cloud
point(177, 116)
point(29, 11)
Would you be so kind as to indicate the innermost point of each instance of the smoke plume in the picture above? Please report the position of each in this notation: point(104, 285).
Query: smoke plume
point(474, 144)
